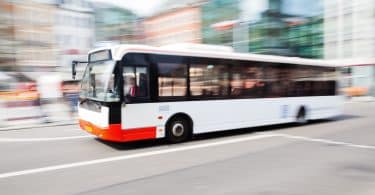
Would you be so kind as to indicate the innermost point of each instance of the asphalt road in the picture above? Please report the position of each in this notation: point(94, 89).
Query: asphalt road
point(323, 157)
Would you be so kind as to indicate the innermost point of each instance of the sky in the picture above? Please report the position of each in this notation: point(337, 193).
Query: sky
point(252, 8)
point(303, 7)
point(140, 7)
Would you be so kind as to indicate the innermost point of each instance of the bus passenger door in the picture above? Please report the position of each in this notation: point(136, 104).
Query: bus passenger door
point(137, 112)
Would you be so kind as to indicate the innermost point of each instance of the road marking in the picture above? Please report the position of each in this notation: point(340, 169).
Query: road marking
point(71, 130)
point(43, 139)
point(326, 141)
point(177, 149)
point(133, 156)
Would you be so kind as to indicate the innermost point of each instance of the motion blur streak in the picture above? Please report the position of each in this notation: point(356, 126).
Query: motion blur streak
point(132, 156)
point(326, 141)
point(178, 149)
point(43, 139)
point(40, 39)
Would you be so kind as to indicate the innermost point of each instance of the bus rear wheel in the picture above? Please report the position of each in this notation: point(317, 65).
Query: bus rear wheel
point(301, 116)
point(178, 130)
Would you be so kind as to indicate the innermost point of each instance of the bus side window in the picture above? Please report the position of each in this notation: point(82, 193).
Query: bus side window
point(142, 81)
point(209, 80)
point(136, 82)
point(247, 80)
point(129, 81)
point(172, 79)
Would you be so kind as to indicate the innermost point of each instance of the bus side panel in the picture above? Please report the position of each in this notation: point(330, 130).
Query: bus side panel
point(219, 115)
point(325, 107)
point(142, 115)
point(209, 116)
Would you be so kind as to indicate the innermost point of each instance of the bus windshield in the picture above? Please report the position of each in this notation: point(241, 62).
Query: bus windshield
point(99, 82)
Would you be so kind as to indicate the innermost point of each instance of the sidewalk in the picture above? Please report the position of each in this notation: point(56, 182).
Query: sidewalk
point(361, 99)
point(58, 115)
point(73, 122)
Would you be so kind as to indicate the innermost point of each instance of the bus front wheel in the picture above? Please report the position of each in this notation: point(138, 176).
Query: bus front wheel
point(178, 130)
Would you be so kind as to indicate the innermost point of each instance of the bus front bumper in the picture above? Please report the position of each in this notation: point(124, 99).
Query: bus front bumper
point(115, 133)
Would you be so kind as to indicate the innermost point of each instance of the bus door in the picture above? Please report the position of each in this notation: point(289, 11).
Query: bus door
point(137, 112)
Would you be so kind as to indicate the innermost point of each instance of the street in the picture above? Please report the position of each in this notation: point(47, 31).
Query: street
point(323, 157)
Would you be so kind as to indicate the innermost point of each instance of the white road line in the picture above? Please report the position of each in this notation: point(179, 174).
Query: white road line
point(79, 130)
point(326, 141)
point(177, 149)
point(43, 139)
point(132, 156)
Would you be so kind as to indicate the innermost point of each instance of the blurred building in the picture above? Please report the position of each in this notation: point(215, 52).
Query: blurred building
point(349, 29)
point(279, 32)
point(304, 36)
point(350, 37)
point(35, 47)
point(176, 22)
point(74, 31)
point(117, 25)
point(219, 18)
point(7, 52)
point(268, 34)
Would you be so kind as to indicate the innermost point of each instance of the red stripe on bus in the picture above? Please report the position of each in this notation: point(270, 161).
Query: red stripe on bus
point(114, 132)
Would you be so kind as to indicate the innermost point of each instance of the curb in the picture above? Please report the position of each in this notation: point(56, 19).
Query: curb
point(37, 126)
point(361, 99)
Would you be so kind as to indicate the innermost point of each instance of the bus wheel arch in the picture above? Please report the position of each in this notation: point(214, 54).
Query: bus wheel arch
point(179, 128)
point(301, 116)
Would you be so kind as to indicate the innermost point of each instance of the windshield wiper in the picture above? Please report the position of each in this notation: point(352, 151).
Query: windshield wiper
point(83, 100)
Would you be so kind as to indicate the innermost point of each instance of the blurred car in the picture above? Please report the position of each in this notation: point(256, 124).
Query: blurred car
point(16, 86)
point(355, 91)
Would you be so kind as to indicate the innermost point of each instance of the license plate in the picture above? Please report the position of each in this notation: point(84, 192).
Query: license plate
point(88, 128)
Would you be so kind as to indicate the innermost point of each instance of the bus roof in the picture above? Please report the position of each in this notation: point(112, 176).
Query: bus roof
point(355, 62)
point(118, 51)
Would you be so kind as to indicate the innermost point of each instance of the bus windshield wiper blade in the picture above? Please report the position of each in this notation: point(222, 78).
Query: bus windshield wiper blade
point(83, 101)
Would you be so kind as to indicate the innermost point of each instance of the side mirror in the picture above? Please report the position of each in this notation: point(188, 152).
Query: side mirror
point(74, 65)
point(74, 71)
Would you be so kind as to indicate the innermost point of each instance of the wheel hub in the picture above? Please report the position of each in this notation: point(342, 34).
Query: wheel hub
point(178, 129)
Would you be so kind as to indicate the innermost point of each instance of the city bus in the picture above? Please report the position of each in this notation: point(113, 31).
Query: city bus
point(135, 92)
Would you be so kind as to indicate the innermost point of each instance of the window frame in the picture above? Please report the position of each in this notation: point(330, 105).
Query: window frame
point(214, 61)
point(151, 61)
point(138, 60)
point(247, 64)
point(163, 58)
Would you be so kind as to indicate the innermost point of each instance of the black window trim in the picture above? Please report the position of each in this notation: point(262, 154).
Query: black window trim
point(153, 91)
point(130, 100)
point(172, 98)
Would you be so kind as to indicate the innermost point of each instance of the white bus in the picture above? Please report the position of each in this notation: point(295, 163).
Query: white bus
point(131, 92)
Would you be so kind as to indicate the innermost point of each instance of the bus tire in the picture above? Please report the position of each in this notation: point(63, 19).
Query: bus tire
point(301, 116)
point(178, 130)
